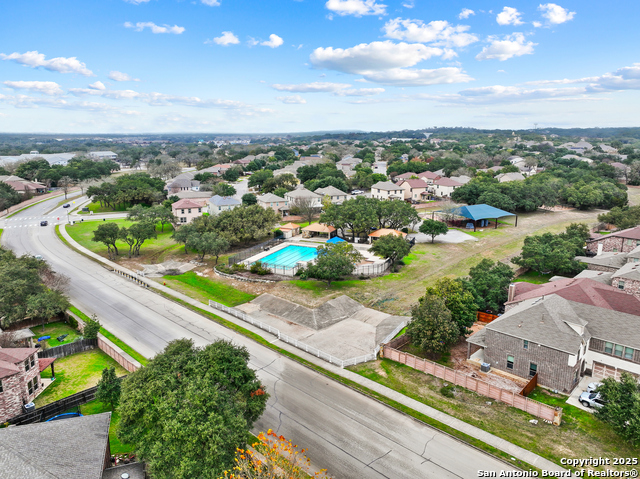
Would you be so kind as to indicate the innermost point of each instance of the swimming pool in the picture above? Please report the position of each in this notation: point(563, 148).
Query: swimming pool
point(289, 256)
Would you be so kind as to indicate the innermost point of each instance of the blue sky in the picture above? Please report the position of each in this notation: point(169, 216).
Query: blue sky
point(133, 66)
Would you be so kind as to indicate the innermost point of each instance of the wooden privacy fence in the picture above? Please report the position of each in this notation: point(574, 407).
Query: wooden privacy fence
point(548, 413)
point(486, 317)
point(63, 405)
point(68, 349)
point(531, 385)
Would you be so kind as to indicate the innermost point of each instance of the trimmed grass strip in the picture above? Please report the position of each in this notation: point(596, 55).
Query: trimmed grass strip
point(217, 291)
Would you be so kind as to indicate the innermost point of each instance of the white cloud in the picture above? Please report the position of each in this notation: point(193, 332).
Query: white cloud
point(372, 56)
point(555, 13)
point(536, 24)
point(46, 87)
point(315, 87)
point(509, 16)
point(626, 78)
point(439, 32)
point(292, 100)
point(418, 77)
point(227, 38)
point(136, 2)
point(274, 41)
point(59, 64)
point(510, 46)
point(360, 92)
point(356, 7)
point(25, 101)
point(119, 76)
point(211, 3)
point(466, 13)
point(98, 86)
point(176, 30)
point(408, 4)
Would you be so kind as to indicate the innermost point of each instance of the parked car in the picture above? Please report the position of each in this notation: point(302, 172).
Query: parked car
point(66, 205)
point(44, 223)
point(357, 192)
point(593, 400)
point(593, 386)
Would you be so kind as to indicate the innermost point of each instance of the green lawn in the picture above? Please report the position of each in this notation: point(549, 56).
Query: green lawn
point(76, 373)
point(151, 249)
point(54, 330)
point(121, 344)
point(533, 277)
point(96, 208)
point(203, 289)
point(96, 407)
point(320, 287)
point(580, 435)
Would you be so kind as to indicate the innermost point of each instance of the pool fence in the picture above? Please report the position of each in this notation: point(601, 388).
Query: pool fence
point(242, 255)
point(303, 346)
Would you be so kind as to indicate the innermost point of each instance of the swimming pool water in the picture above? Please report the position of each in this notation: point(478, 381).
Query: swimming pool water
point(290, 255)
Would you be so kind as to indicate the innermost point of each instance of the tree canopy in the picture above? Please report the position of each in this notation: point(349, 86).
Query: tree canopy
point(489, 283)
point(334, 261)
point(433, 228)
point(431, 327)
point(621, 407)
point(391, 247)
point(189, 409)
point(458, 299)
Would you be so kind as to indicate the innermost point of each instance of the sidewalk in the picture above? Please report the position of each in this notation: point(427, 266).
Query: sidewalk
point(488, 438)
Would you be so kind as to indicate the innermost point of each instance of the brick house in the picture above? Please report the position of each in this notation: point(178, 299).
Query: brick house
point(560, 340)
point(624, 241)
point(624, 266)
point(188, 209)
point(20, 381)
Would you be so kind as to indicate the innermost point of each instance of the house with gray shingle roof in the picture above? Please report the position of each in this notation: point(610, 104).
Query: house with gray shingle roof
point(276, 203)
point(218, 203)
point(386, 190)
point(559, 339)
point(335, 195)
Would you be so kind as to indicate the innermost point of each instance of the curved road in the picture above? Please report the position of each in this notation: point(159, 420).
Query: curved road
point(351, 435)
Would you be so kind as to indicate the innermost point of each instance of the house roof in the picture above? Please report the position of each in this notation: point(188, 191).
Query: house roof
point(269, 198)
point(603, 277)
point(481, 212)
point(629, 233)
point(74, 447)
point(408, 175)
point(302, 193)
point(8, 369)
point(446, 182)
point(290, 226)
point(585, 291)
point(386, 231)
point(218, 200)
point(44, 363)
point(510, 177)
point(183, 183)
point(428, 174)
point(16, 355)
point(385, 185)
point(186, 203)
point(319, 228)
point(610, 259)
point(635, 253)
point(415, 183)
point(462, 179)
point(331, 191)
point(630, 271)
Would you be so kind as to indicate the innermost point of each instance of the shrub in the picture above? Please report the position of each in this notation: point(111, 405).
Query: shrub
point(71, 321)
point(277, 233)
point(448, 391)
point(257, 268)
point(91, 328)
point(224, 269)
point(239, 267)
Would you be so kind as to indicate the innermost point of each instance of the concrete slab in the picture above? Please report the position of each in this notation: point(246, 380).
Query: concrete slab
point(340, 327)
point(452, 236)
point(579, 389)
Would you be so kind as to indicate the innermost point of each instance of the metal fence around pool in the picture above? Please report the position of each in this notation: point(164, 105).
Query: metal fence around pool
point(237, 258)
point(303, 346)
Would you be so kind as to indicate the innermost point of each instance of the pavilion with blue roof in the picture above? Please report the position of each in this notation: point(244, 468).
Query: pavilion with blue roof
point(482, 213)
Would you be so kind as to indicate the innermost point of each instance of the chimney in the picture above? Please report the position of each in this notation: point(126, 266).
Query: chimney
point(512, 292)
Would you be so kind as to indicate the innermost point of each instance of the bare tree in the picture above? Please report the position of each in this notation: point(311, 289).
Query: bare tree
point(55, 281)
point(305, 207)
point(65, 183)
point(7, 339)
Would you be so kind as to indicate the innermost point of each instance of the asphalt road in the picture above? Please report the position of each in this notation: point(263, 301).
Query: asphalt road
point(347, 433)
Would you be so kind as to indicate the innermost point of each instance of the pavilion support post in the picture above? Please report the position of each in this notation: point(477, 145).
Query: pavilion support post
point(516, 221)
point(474, 225)
point(433, 214)
point(496, 224)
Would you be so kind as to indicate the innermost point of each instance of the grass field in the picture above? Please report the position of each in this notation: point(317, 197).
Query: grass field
point(580, 435)
point(204, 289)
point(533, 277)
point(151, 250)
point(96, 208)
point(76, 373)
point(54, 330)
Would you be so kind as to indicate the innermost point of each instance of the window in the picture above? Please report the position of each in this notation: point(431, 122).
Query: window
point(628, 353)
point(33, 360)
point(183, 219)
point(629, 241)
point(533, 369)
point(618, 350)
point(509, 362)
point(620, 284)
point(615, 250)
point(219, 208)
point(32, 385)
point(525, 345)
point(182, 211)
point(189, 210)
point(1, 390)
point(608, 348)
point(199, 210)
point(26, 365)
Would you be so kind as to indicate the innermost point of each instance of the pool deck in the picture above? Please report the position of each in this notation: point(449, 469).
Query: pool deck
point(363, 249)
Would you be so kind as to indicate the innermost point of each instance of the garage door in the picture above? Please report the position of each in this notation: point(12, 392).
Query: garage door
point(602, 371)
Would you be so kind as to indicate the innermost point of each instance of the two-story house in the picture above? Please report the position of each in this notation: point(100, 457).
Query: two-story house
point(20, 381)
point(188, 209)
point(444, 187)
point(269, 200)
point(218, 204)
point(386, 190)
point(303, 194)
point(335, 195)
point(623, 241)
point(413, 189)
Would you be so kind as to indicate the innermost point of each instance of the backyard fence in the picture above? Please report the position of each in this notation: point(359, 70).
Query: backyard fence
point(301, 345)
point(247, 253)
point(535, 408)
point(372, 269)
point(486, 317)
point(68, 349)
